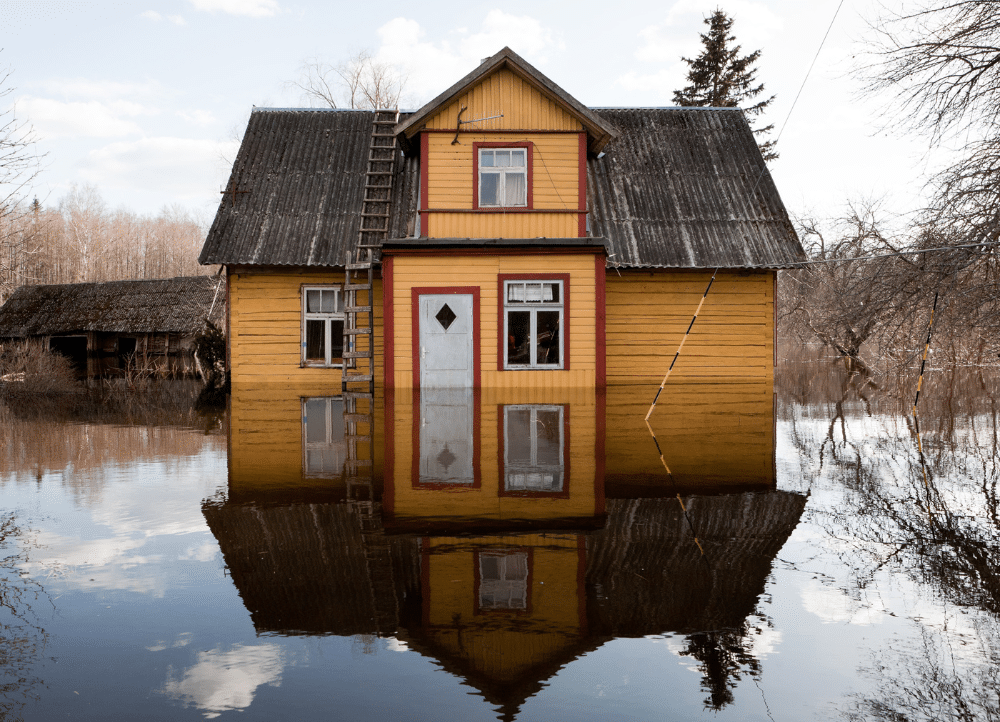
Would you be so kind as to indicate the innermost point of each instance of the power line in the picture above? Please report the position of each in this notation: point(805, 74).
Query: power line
point(981, 244)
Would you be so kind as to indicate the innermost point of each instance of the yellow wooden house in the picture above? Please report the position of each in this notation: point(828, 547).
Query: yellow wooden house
point(527, 241)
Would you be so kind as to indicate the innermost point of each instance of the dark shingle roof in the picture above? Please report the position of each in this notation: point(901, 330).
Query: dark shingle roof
point(677, 188)
point(172, 305)
point(687, 188)
point(304, 173)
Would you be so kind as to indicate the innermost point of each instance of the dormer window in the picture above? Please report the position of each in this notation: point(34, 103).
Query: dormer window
point(503, 175)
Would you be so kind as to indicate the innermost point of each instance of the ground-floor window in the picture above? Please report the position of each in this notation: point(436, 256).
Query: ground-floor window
point(322, 326)
point(533, 323)
point(324, 449)
point(534, 450)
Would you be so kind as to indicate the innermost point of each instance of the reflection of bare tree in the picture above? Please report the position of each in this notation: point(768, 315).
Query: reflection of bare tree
point(918, 498)
point(927, 686)
point(725, 656)
point(22, 638)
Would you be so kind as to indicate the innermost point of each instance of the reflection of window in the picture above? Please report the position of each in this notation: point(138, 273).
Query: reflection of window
point(503, 579)
point(325, 449)
point(503, 177)
point(533, 321)
point(533, 449)
point(322, 326)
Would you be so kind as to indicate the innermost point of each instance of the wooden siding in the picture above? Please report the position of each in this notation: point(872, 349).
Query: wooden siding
point(649, 311)
point(484, 503)
point(483, 272)
point(265, 325)
point(715, 437)
point(522, 105)
point(555, 185)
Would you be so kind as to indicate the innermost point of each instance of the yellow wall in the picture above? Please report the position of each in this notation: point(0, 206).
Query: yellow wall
point(523, 107)
point(584, 501)
point(648, 313)
point(504, 645)
point(482, 271)
point(265, 327)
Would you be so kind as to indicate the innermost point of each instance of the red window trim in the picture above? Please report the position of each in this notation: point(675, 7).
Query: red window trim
point(501, 298)
point(527, 145)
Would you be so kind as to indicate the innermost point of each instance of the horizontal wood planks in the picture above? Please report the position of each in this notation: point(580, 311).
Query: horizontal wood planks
point(522, 105)
point(265, 321)
point(648, 313)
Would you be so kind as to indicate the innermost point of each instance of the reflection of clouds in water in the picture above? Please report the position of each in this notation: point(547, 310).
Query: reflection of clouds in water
point(832, 605)
point(105, 550)
point(183, 640)
point(222, 681)
point(396, 645)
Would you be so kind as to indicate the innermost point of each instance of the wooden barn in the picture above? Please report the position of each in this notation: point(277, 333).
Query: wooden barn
point(108, 328)
point(504, 235)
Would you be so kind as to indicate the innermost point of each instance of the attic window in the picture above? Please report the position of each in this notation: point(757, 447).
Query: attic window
point(503, 175)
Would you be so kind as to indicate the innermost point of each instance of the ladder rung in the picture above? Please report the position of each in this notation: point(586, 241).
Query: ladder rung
point(358, 437)
point(357, 287)
point(366, 245)
point(349, 378)
point(357, 354)
point(357, 309)
point(359, 462)
point(357, 331)
point(355, 418)
point(358, 266)
point(357, 395)
point(381, 172)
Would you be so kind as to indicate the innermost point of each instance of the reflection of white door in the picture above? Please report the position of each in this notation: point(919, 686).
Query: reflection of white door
point(445, 352)
point(446, 443)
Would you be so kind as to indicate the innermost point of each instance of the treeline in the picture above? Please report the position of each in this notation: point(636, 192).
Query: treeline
point(79, 239)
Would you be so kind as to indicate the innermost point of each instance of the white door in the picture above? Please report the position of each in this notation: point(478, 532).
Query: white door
point(445, 350)
point(446, 443)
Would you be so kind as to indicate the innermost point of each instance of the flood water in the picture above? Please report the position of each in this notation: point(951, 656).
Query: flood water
point(805, 552)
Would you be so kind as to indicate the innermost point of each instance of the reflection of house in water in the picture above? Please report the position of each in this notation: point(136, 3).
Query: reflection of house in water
point(492, 545)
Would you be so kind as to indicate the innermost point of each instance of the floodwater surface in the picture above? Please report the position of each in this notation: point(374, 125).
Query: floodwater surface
point(808, 551)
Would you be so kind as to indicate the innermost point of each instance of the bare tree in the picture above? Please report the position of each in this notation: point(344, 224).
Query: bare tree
point(361, 82)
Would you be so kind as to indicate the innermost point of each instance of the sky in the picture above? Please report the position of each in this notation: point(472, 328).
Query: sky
point(145, 100)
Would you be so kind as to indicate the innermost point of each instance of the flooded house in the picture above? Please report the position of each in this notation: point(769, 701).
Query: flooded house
point(503, 235)
point(111, 328)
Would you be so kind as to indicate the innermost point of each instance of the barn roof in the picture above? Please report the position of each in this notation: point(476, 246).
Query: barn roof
point(172, 305)
point(676, 188)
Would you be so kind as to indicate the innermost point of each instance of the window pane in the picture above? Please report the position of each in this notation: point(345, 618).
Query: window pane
point(548, 338)
point(489, 567)
point(515, 292)
point(517, 158)
point(519, 431)
point(336, 341)
point(548, 435)
point(516, 192)
point(503, 158)
point(315, 340)
point(489, 189)
point(486, 158)
point(313, 301)
point(316, 421)
point(551, 292)
point(533, 292)
point(518, 337)
point(329, 302)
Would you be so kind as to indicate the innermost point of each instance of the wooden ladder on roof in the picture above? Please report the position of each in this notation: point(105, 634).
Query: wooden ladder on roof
point(358, 378)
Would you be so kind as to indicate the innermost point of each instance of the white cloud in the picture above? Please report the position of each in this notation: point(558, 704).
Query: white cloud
point(87, 89)
point(182, 167)
point(156, 17)
point(431, 66)
point(832, 606)
point(223, 681)
point(251, 8)
point(197, 117)
point(96, 119)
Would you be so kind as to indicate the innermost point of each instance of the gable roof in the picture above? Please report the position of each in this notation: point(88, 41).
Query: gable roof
point(173, 305)
point(598, 131)
point(300, 177)
point(677, 188)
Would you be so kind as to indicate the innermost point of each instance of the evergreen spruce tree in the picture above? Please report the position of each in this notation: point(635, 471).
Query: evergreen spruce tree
point(720, 78)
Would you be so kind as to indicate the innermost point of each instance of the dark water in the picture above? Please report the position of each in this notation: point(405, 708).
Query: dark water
point(807, 554)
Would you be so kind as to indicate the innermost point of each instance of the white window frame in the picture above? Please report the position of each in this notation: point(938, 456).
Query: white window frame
point(327, 319)
point(333, 407)
point(511, 470)
point(502, 172)
point(533, 307)
point(514, 590)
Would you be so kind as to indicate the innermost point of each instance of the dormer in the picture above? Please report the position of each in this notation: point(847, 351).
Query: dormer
point(503, 154)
